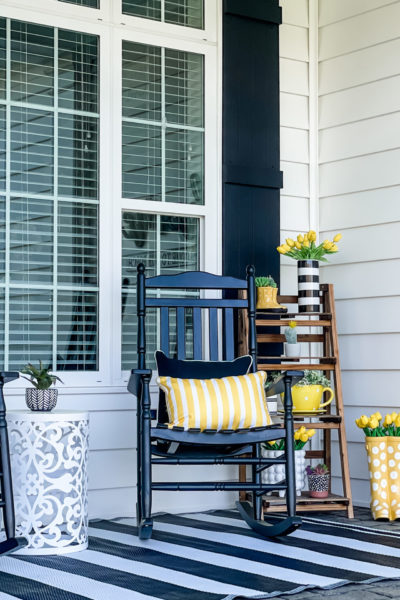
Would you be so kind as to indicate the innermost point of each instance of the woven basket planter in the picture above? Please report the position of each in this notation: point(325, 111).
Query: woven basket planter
point(41, 400)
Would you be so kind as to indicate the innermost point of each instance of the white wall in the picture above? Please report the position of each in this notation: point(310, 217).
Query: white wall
point(295, 128)
point(359, 143)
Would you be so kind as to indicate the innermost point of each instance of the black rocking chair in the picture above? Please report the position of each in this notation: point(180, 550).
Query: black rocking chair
point(11, 543)
point(210, 447)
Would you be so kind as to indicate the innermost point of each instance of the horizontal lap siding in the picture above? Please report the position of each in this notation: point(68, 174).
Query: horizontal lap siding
point(359, 139)
point(294, 83)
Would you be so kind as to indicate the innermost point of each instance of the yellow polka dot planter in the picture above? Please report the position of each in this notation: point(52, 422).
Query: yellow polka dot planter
point(384, 469)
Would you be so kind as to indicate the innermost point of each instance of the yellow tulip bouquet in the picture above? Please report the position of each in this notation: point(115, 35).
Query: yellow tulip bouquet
point(306, 248)
point(374, 426)
point(301, 437)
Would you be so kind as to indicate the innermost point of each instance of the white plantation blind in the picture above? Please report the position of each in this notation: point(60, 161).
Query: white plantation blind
point(90, 3)
point(189, 13)
point(49, 126)
point(163, 124)
point(166, 245)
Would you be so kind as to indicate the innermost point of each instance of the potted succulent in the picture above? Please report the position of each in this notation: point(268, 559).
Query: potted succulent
point(277, 473)
point(308, 253)
point(266, 294)
point(292, 347)
point(307, 393)
point(318, 480)
point(40, 397)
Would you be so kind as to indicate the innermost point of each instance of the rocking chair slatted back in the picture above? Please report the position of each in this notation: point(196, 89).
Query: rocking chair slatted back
point(192, 313)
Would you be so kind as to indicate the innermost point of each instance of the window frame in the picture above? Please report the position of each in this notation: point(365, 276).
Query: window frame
point(112, 27)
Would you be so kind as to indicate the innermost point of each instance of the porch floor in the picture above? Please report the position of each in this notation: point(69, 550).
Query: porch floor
point(380, 590)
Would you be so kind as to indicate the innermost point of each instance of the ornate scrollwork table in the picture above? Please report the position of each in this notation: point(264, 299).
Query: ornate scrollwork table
point(49, 452)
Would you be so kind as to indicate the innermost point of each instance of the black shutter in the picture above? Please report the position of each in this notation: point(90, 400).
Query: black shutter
point(251, 155)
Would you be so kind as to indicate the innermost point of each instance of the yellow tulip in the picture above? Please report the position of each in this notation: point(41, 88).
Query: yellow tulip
point(304, 437)
point(312, 236)
point(337, 237)
point(311, 432)
point(302, 429)
point(286, 247)
point(377, 415)
point(300, 238)
point(388, 420)
point(296, 435)
point(373, 423)
point(281, 250)
point(327, 245)
point(306, 244)
point(306, 237)
point(272, 442)
point(333, 248)
point(298, 245)
point(290, 242)
point(292, 324)
point(397, 421)
point(358, 422)
point(394, 416)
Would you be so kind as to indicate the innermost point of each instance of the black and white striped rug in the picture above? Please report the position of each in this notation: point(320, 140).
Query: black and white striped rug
point(208, 556)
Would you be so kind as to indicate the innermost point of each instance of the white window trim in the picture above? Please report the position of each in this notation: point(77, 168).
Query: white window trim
point(112, 27)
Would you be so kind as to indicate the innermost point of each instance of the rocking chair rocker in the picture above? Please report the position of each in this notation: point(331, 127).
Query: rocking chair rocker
point(161, 445)
point(11, 543)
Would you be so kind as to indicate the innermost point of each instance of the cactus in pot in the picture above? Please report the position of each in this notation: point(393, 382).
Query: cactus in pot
point(292, 347)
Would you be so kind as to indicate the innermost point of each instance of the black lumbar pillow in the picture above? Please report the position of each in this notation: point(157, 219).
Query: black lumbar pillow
point(201, 369)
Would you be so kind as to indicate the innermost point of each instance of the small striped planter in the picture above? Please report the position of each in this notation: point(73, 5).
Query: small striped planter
point(308, 284)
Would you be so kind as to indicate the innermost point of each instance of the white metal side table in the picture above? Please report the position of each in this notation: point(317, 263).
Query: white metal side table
point(49, 452)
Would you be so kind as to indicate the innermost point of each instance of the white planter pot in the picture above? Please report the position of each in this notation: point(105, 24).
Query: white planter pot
point(276, 473)
point(292, 350)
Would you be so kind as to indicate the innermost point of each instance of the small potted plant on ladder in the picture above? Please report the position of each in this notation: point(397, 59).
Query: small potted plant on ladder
point(40, 397)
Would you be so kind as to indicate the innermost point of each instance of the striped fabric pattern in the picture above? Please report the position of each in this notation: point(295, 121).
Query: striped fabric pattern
point(203, 557)
point(226, 403)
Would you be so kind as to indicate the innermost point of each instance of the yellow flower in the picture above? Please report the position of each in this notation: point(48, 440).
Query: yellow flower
point(364, 420)
point(397, 421)
point(306, 244)
point(304, 437)
point(334, 248)
point(373, 423)
point(292, 324)
point(286, 247)
point(290, 242)
point(388, 420)
point(327, 245)
point(312, 236)
point(281, 250)
point(358, 423)
point(297, 435)
point(311, 432)
point(298, 245)
point(306, 237)
point(337, 237)
point(394, 416)
point(272, 442)
point(300, 238)
point(302, 429)
point(377, 415)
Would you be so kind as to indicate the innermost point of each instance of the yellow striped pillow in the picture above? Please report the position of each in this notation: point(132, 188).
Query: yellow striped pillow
point(226, 403)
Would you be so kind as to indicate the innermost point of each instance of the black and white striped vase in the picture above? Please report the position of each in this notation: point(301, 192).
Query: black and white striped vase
point(308, 285)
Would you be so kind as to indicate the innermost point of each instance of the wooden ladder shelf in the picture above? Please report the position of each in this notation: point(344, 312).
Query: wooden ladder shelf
point(315, 329)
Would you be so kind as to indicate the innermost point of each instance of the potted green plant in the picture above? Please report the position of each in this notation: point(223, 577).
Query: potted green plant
point(40, 397)
point(307, 393)
point(292, 347)
point(267, 291)
point(318, 480)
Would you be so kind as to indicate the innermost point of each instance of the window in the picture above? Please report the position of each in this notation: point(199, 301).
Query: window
point(189, 13)
point(48, 196)
point(109, 156)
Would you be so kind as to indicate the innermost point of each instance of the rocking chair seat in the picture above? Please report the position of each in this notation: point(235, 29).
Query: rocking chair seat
point(210, 437)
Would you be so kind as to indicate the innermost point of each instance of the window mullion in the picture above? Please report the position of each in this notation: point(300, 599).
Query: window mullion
point(8, 199)
point(163, 124)
point(55, 205)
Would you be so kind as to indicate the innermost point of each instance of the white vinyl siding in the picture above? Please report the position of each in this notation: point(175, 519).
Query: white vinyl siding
point(359, 141)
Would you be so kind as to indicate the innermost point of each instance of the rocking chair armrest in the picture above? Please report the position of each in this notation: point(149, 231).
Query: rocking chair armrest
point(137, 378)
point(279, 385)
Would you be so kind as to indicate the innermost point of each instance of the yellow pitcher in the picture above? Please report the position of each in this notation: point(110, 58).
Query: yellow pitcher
point(307, 398)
